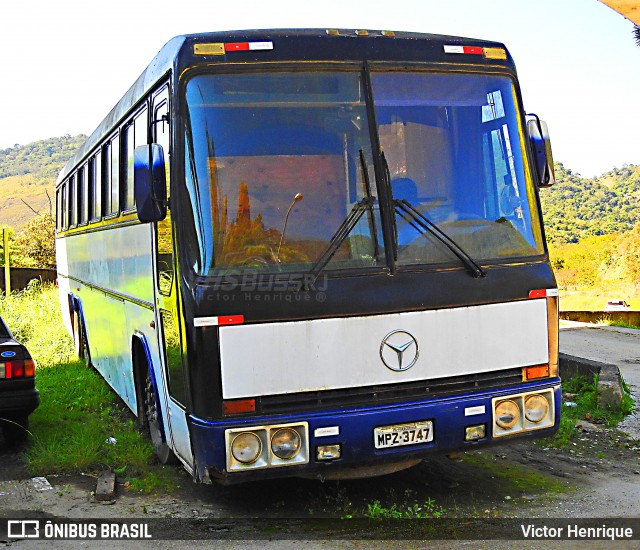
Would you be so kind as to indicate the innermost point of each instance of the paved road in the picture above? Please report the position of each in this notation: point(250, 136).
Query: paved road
point(617, 346)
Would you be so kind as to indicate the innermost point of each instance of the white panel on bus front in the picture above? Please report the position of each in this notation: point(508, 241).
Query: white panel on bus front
point(326, 354)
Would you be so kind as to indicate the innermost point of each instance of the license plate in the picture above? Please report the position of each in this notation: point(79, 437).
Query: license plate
point(403, 434)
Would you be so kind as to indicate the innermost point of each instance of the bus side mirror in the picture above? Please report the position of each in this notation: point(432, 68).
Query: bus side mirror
point(149, 183)
point(541, 147)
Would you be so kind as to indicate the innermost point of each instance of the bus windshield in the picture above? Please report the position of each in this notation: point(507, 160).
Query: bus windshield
point(278, 167)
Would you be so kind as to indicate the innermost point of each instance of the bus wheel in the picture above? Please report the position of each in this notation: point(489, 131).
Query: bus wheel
point(79, 341)
point(162, 450)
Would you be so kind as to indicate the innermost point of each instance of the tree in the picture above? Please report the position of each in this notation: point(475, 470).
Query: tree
point(35, 246)
point(636, 34)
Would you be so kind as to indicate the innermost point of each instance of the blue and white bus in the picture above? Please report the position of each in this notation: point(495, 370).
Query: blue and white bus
point(316, 253)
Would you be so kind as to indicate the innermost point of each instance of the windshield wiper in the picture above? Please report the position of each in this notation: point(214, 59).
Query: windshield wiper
point(352, 219)
point(419, 222)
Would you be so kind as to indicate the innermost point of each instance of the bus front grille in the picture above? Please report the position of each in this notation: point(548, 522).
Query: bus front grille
point(387, 394)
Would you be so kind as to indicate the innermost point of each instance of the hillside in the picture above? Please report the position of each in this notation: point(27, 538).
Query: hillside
point(27, 173)
point(576, 208)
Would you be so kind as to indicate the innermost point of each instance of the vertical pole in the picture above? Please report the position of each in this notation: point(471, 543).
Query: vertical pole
point(7, 272)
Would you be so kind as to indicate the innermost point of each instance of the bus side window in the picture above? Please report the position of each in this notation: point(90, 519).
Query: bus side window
point(83, 195)
point(135, 134)
point(115, 174)
point(71, 206)
point(164, 230)
point(95, 174)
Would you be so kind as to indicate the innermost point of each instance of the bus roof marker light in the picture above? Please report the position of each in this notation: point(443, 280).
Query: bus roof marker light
point(388, 34)
point(247, 46)
point(362, 33)
point(469, 50)
point(333, 32)
point(209, 49)
point(494, 53)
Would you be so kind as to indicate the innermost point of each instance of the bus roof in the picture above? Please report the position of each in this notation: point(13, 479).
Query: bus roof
point(270, 45)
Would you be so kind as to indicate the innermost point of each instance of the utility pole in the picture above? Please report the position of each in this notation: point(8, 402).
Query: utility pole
point(7, 272)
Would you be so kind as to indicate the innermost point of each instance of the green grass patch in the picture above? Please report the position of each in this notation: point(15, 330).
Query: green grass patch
point(81, 425)
point(516, 477)
point(613, 323)
point(424, 510)
point(584, 393)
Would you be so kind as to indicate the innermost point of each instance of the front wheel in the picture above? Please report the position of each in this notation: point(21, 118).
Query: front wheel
point(162, 450)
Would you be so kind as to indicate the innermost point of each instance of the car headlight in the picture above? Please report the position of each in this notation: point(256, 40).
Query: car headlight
point(507, 414)
point(536, 408)
point(285, 443)
point(246, 447)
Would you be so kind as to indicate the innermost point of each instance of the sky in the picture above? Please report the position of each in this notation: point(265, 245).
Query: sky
point(66, 63)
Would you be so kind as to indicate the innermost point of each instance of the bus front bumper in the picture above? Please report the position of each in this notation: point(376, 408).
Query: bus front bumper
point(243, 449)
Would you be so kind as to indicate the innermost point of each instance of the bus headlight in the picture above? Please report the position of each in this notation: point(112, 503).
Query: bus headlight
point(246, 447)
point(507, 414)
point(536, 408)
point(523, 412)
point(285, 443)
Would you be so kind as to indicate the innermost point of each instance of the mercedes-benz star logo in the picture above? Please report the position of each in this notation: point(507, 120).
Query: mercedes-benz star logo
point(399, 350)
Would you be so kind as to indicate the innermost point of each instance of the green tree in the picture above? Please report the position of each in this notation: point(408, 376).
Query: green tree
point(35, 246)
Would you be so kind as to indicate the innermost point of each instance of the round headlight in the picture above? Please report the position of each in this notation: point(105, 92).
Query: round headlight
point(246, 447)
point(507, 414)
point(286, 443)
point(536, 408)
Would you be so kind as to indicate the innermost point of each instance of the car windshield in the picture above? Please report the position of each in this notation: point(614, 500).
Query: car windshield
point(277, 166)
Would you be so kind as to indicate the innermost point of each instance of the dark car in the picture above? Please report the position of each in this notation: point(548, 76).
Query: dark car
point(18, 394)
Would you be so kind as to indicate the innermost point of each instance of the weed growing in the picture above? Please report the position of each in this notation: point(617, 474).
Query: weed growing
point(427, 509)
point(583, 396)
point(614, 323)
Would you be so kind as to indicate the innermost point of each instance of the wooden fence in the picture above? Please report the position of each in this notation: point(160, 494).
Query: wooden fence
point(20, 277)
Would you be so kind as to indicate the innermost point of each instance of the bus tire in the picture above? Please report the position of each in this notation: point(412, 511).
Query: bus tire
point(152, 422)
point(78, 336)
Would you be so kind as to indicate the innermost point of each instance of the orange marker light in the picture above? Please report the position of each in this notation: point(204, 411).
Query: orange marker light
point(540, 371)
point(239, 407)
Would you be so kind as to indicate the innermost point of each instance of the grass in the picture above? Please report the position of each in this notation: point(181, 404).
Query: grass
point(585, 395)
point(427, 509)
point(612, 323)
point(81, 425)
point(516, 477)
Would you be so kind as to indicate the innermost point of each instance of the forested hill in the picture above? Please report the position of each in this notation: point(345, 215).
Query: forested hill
point(44, 159)
point(28, 173)
point(576, 207)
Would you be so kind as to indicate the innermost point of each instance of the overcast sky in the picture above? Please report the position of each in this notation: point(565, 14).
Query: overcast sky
point(65, 63)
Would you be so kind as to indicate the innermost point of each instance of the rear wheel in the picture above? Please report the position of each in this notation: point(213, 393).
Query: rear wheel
point(162, 450)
